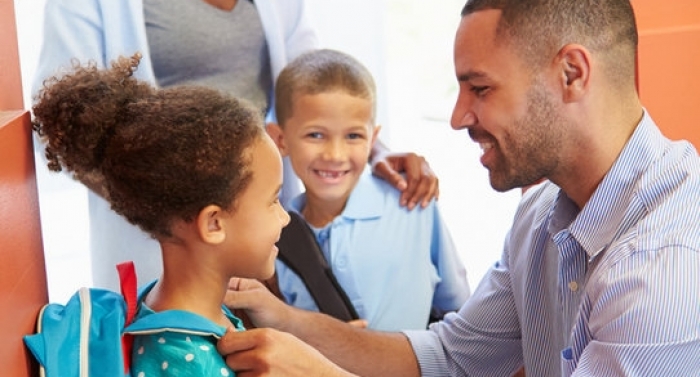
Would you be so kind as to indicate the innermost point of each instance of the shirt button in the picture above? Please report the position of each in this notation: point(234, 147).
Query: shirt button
point(573, 286)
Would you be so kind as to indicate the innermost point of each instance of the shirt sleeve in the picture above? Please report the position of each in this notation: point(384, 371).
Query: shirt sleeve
point(174, 354)
point(72, 29)
point(300, 36)
point(453, 289)
point(475, 341)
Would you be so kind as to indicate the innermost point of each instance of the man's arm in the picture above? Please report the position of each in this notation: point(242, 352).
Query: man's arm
point(360, 351)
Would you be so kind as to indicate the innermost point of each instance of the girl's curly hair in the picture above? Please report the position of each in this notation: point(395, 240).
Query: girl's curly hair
point(162, 154)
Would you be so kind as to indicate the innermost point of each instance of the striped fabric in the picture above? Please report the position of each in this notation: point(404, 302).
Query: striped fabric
point(611, 290)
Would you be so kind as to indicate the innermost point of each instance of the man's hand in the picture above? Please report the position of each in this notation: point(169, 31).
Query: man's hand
point(263, 308)
point(270, 353)
point(420, 185)
point(303, 342)
point(264, 351)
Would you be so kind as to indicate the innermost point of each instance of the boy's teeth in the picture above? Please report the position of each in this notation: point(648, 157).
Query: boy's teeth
point(328, 174)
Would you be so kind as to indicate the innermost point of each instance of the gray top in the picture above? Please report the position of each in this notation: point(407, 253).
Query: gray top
point(193, 42)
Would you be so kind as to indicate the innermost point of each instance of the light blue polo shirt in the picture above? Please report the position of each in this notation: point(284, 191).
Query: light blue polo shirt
point(395, 265)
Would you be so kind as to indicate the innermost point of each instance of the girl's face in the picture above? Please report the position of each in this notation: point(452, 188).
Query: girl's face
point(257, 219)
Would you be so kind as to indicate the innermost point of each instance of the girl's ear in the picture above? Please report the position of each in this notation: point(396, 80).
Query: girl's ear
point(277, 135)
point(210, 224)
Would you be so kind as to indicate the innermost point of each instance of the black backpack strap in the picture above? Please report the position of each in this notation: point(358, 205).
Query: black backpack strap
point(299, 250)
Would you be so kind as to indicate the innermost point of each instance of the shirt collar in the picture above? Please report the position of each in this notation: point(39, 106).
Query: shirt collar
point(613, 206)
point(365, 202)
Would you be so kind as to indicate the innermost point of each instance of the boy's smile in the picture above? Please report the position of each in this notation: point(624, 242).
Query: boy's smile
point(328, 139)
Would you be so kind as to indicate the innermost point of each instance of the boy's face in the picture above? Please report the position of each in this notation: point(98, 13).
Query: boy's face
point(328, 140)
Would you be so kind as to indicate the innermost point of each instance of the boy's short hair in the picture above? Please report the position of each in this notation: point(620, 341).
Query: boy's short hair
point(322, 71)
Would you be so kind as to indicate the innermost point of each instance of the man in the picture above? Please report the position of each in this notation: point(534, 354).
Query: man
point(600, 270)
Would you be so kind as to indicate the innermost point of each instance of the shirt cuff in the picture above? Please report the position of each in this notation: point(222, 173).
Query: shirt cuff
point(429, 352)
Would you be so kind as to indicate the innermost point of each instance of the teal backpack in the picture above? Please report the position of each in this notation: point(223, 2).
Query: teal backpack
point(85, 337)
point(92, 334)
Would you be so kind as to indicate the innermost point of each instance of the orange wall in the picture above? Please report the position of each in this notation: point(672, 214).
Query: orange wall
point(10, 77)
point(669, 65)
point(23, 287)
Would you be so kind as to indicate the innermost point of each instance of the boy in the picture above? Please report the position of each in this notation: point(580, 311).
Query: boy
point(398, 268)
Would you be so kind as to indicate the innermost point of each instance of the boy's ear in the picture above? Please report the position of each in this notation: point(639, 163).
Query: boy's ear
point(375, 135)
point(277, 135)
point(210, 224)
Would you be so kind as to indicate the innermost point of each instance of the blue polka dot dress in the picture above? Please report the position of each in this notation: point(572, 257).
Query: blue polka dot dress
point(180, 351)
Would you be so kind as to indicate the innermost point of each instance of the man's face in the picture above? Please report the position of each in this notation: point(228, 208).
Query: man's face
point(506, 106)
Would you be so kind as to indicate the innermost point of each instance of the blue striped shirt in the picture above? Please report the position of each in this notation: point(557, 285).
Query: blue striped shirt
point(611, 290)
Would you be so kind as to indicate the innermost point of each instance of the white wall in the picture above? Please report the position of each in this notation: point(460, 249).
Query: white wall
point(357, 28)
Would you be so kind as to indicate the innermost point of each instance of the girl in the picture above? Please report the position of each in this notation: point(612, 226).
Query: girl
point(190, 166)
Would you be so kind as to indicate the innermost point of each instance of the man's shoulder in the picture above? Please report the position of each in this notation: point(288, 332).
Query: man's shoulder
point(670, 193)
point(673, 218)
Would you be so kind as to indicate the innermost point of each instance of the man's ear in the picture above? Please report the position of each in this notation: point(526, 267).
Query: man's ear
point(574, 65)
point(277, 135)
point(210, 224)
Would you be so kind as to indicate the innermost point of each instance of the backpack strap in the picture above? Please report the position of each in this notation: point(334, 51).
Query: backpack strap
point(127, 283)
point(299, 250)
